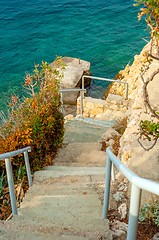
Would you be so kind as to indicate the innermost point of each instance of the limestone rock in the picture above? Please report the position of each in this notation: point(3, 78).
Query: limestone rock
point(92, 106)
point(114, 98)
point(156, 236)
point(107, 115)
point(153, 87)
point(119, 230)
point(119, 176)
point(68, 117)
point(118, 196)
point(143, 163)
point(122, 209)
point(123, 187)
point(108, 135)
point(119, 235)
point(114, 107)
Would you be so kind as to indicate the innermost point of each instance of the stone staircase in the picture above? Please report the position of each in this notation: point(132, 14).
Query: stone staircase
point(65, 201)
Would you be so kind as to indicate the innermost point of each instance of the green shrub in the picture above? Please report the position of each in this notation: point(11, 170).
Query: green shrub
point(150, 212)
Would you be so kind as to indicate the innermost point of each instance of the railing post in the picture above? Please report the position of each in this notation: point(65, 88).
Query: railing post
point(11, 186)
point(107, 187)
point(134, 212)
point(26, 158)
point(82, 96)
point(81, 101)
point(83, 82)
point(113, 173)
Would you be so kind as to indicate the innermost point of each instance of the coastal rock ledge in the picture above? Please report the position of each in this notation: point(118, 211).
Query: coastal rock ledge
point(75, 68)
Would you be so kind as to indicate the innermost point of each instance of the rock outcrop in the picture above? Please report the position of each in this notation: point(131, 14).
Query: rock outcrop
point(74, 70)
point(144, 163)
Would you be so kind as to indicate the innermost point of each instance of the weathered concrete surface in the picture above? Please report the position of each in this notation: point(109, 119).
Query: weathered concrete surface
point(64, 202)
point(81, 154)
point(66, 207)
point(60, 171)
point(85, 130)
point(74, 70)
point(70, 203)
point(14, 232)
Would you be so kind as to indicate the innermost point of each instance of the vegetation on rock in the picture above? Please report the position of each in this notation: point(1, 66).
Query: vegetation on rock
point(150, 9)
point(150, 129)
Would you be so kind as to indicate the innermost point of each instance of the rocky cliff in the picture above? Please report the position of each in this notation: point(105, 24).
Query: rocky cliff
point(145, 163)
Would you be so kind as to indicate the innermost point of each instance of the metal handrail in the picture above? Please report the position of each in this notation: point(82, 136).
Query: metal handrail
point(138, 184)
point(7, 157)
point(71, 90)
point(14, 153)
point(108, 80)
point(82, 91)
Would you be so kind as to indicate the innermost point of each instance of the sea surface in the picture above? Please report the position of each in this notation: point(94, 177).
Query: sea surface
point(106, 33)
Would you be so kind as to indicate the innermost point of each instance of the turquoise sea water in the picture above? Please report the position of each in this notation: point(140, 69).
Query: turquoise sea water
point(106, 33)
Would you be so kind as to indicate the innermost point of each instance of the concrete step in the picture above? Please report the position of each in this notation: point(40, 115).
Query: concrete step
point(85, 130)
point(75, 170)
point(62, 210)
point(27, 232)
point(60, 171)
point(95, 122)
point(81, 154)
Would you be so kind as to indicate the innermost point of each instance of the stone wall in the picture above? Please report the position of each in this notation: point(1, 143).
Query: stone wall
point(113, 107)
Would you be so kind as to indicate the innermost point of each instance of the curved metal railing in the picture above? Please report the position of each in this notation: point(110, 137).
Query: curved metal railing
point(107, 80)
point(138, 184)
point(7, 158)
